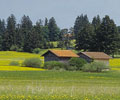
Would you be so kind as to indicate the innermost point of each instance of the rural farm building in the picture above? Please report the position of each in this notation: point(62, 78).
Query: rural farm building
point(96, 56)
point(59, 55)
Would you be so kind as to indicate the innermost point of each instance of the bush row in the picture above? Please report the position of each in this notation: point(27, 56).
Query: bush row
point(94, 67)
point(74, 64)
point(30, 62)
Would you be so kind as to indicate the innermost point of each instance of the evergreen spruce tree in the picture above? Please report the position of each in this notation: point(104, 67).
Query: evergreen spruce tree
point(25, 29)
point(80, 24)
point(85, 37)
point(2, 27)
point(46, 22)
point(53, 30)
point(118, 29)
point(2, 32)
point(107, 36)
point(19, 37)
point(45, 31)
point(32, 41)
point(96, 22)
point(40, 35)
point(9, 35)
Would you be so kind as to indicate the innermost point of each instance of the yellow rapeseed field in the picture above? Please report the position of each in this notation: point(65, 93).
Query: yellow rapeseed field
point(114, 62)
point(8, 56)
point(17, 68)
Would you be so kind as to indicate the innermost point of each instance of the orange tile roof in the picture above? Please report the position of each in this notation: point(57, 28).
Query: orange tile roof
point(97, 55)
point(64, 53)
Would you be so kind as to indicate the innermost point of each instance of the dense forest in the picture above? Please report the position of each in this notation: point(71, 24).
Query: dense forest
point(99, 35)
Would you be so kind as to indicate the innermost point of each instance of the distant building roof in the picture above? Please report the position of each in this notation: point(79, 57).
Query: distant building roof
point(63, 53)
point(68, 35)
point(97, 55)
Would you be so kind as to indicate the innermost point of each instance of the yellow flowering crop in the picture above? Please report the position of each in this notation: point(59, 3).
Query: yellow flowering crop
point(16, 68)
point(7, 56)
point(114, 62)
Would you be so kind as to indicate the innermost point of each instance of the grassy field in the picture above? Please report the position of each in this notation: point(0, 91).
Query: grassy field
point(50, 85)
point(8, 56)
point(23, 83)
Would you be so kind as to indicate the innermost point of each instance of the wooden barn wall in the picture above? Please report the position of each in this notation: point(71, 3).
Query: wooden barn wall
point(64, 59)
point(50, 57)
point(85, 57)
point(106, 62)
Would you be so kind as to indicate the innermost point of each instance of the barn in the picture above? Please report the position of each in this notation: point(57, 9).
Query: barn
point(95, 56)
point(59, 55)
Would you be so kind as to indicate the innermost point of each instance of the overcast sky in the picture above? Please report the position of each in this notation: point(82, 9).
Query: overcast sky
point(64, 11)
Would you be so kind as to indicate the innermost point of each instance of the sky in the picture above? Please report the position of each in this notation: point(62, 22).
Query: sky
point(64, 11)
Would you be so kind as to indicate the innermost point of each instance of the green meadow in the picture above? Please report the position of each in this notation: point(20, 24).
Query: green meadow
point(59, 85)
point(22, 83)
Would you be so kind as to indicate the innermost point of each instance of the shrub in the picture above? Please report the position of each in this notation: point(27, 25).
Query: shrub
point(16, 48)
point(94, 67)
point(20, 49)
point(32, 62)
point(14, 63)
point(78, 62)
point(54, 65)
point(71, 68)
point(13, 48)
point(36, 50)
point(51, 45)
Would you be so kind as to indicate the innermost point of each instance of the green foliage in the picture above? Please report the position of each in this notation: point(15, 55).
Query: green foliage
point(54, 65)
point(65, 39)
point(51, 45)
point(94, 67)
point(2, 27)
point(85, 36)
point(96, 22)
point(70, 68)
point(53, 30)
point(20, 49)
point(100, 36)
point(14, 63)
point(107, 36)
point(9, 35)
point(80, 23)
point(32, 62)
point(25, 30)
point(46, 22)
point(96, 36)
point(36, 50)
point(84, 32)
point(77, 62)
point(60, 44)
point(13, 48)
point(16, 48)
point(1, 48)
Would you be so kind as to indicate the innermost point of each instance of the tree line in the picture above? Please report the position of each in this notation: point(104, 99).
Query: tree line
point(25, 36)
point(99, 35)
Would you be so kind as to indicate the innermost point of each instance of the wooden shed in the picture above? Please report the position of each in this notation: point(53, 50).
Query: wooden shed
point(59, 55)
point(96, 56)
